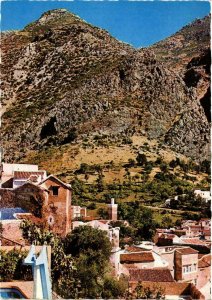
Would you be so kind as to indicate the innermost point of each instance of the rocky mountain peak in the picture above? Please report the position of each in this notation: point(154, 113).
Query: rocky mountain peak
point(54, 18)
point(65, 80)
point(53, 14)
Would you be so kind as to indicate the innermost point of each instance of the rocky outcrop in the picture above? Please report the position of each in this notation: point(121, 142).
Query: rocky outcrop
point(64, 79)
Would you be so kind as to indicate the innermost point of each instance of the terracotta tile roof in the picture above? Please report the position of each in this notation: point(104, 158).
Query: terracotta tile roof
point(153, 275)
point(26, 175)
point(185, 251)
point(204, 261)
point(134, 249)
point(57, 180)
point(193, 241)
point(140, 257)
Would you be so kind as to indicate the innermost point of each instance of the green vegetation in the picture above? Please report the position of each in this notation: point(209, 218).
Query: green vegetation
point(145, 186)
point(142, 225)
point(156, 292)
point(80, 262)
point(11, 266)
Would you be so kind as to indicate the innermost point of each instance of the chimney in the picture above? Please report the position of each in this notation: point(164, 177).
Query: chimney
point(113, 210)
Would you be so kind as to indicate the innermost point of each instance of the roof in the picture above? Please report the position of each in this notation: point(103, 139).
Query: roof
point(134, 249)
point(204, 261)
point(141, 257)
point(186, 251)
point(31, 183)
point(153, 275)
point(26, 175)
point(193, 241)
point(68, 186)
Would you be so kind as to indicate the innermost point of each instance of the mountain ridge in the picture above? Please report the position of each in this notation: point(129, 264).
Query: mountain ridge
point(71, 81)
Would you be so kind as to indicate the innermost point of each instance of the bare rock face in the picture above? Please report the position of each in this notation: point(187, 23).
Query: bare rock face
point(63, 79)
point(188, 54)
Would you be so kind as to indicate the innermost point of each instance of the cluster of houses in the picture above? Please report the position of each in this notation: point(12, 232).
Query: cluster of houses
point(178, 261)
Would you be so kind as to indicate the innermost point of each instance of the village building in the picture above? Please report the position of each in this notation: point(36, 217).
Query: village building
point(205, 195)
point(15, 175)
point(186, 265)
point(204, 275)
point(78, 212)
point(45, 200)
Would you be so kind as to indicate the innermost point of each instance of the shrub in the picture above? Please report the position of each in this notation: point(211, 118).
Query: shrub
point(12, 268)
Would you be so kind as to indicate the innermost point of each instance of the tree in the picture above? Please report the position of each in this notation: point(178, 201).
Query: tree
point(205, 166)
point(149, 292)
point(164, 167)
point(141, 159)
point(91, 250)
point(103, 213)
point(113, 288)
point(92, 205)
point(100, 183)
point(85, 238)
point(131, 162)
point(11, 265)
point(140, 218)
point(166, 222)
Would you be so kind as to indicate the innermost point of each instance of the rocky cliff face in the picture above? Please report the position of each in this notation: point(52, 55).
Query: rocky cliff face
point(64, 79)
point(187, 53)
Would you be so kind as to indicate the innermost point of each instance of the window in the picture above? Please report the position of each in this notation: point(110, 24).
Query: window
point(187, 269)
point(55, 190)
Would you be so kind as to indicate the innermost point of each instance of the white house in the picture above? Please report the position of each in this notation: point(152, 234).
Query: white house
point(206, 195)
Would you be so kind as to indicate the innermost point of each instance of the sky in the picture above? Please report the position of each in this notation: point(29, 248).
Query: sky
point(139, 23)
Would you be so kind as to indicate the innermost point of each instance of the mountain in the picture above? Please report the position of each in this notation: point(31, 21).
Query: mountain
point(67, 84)
point(187, 52)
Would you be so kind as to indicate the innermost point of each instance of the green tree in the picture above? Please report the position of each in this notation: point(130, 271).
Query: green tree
point(140, 218)
point(103, 213)
point(141, 159)
point(131, 162)
point(91, 249)
point(113, 288)
point(11, 266)
point(164, 167)
point(166, 222)
point(153, 292)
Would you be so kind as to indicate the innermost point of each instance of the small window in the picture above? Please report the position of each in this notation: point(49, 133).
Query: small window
point(55, 190)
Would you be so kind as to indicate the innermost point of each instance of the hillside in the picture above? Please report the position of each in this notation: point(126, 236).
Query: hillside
point(189, 42)
point(187, 52)
point(70, 86)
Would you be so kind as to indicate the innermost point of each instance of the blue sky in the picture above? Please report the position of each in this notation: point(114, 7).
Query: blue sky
point(140, 23)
